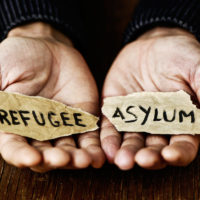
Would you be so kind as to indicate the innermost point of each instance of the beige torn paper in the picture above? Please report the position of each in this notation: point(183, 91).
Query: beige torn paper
point(42, 119)
point(153, 112)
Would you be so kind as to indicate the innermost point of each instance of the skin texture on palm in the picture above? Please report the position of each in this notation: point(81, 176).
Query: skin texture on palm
point(163, 59)
point(38, 60)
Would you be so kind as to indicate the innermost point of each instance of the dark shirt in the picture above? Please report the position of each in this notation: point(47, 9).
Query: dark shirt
point(169, 13)
point(65, 16)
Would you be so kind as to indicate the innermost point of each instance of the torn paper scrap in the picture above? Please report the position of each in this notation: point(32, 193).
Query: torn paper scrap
point(153, 112)
point(42, 119)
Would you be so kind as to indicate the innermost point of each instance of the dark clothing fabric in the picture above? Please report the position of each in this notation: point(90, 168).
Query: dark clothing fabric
point(62, 14)
point(65, 16)
point(170, 13)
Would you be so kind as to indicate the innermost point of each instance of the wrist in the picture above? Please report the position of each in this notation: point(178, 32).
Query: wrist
point(39, 30)
point(164, 32)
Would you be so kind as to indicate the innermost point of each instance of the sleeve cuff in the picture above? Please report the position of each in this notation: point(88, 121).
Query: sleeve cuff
point(166, 13)
point(18, 12)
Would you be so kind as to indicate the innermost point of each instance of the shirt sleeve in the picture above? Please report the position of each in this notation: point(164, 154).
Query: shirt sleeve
point(167, 13)
point(62, 14)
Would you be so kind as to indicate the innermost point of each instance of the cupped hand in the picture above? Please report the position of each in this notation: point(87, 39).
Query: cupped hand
point(38, 60)
point(163, 59)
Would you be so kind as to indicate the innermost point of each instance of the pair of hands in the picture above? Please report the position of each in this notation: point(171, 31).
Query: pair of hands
point(37, 60)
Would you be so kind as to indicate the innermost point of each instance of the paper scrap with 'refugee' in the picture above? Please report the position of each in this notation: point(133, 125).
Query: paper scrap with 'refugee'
point(42, 119)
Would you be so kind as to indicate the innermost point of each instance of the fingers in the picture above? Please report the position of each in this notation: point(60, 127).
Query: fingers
point(158, 152)
point(182, 150)
point(63, 154)
point(150, 156)
point(53, 157)
point(16, 151)
point(125, 157)
point(110, 139)
point(91, 143)
point(79, 157)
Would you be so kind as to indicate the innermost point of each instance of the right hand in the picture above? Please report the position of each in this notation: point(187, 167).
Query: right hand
point(38, 60)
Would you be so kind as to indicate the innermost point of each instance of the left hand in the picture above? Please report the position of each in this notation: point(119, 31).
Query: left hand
point(162, 59)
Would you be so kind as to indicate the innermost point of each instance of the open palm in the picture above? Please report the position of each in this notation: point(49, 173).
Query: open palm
point(48, 68)
point(160, 60)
